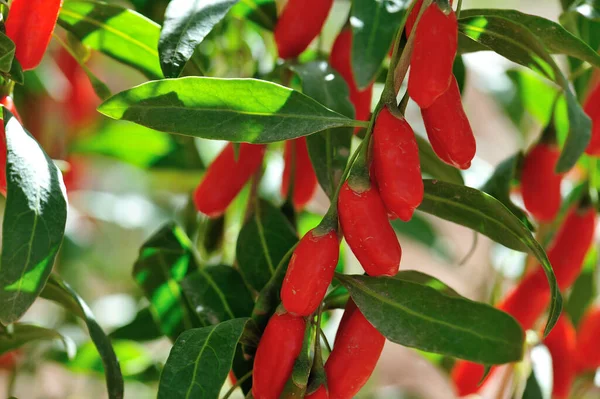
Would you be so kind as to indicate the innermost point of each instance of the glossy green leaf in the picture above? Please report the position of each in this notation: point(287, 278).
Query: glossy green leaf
point(142, 328)
point(217, 294)
point(262, 243)
point(263, 12)
point(164, 261)
point(34, 221)
point(22, 334)
point(187, 22)
point(486, 215)
point(420, 230)
point(329, 150)
point(421, 278)
point(116, 31)
point(433, 166)
point(517, 43)
point(200, 361)
point(7, 53)
point(374, 28)
point(59, 291)
point(238, 110)
point(418, 316)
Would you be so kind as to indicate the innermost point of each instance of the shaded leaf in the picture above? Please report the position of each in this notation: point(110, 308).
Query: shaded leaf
point(141, 328)
point(532, 388)
point(22, 334)
point(584, 291)
point(237, 110)
point(433, 166)
point(7, 53)
point(262, 12)
point(426, 280)
point(34, 221)
point(423, 232)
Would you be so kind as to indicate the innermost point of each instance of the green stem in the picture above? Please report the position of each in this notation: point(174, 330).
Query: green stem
point(458, 8)
point(325, 341)
point(237, 384)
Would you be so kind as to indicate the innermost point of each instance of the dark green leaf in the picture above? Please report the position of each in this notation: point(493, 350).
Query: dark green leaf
point(330, 149)
point(374, 28)
point(238, 110)
point(517, 43)
point(22, 334)
point(34, 221)
point(217, 294)
point(116, 31)
point(421, 278)
point(200, 361)
point(459, 70)
point(423, 232)
point(486, 215)
point(141, 328)
point(59, 291)
point(164, 261)
point(7, 53)
point(187, 22)
point(420, 317)
point(262, 243)
point(433, 166)
point(263, 12)
point(584, 291)
point(532, 389)
point(499, 184)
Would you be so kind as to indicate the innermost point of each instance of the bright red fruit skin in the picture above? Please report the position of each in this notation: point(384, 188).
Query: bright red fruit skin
point(356, 351)
point(435, 45)
point(592, 109)
point(466, 376)
point(540, 184)
point(226, 177)
point(562, 346)
point(277, 351)
point(305, 180)
point(396, 165)
point(320, 393)
point(310, 272)
point(7, 102)
point(449, 130)
point(365, 224)
point(299, 23)
point(341, 60)
point(588, 351)
point(29, 25)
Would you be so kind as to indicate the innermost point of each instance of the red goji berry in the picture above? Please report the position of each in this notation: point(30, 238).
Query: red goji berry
point(592, 109)
point(540, 184)
point(356, 351)
point(587, 353)
point(29, 25)
point(449, 130)
point(341, 60)
point(396, 165)
point(7, 102)
point(226, 176)
point(277, 351)
point(299, 23)
point(9, 360)
point(466, 376)
point(435, 45)
point(365, 224)
point(310, 271)
point(320, 393)
point(562, 346)
point(305, 180)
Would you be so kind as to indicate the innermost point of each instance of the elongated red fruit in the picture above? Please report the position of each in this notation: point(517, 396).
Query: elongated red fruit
point(562, 346)
point(29, 25)
point(540, 184)
point(449, 130)
point(296, 157)
point(299, 24)
point(436, 42)
point(368, 232)
point(7, 102)
point(320, 393)
point(226, 176)
point(592, 109)
point(310, 271)
point(341, 60)
point(588, 351)
point(356, 351)
point(396, 165)
point(277, 351)
point(9, 360)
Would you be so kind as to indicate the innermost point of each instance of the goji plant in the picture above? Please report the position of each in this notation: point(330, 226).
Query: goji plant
point(260, 198)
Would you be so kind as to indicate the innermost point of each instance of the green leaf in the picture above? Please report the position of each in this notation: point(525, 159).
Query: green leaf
point(186, 24)
point(499, 184)
point(374, 28)
point(262, 243)
point(237, 110)
point(329, 150)
point(141, 328)
point(59, 291)
point(421, 278)
point(532, 388)
point(118, 32)
point(423, 232)
point(217, 294)
point(584, 291)
point(517, 43)
point(200, 361)
point(486, 215)
point(34, 221)
point(7, 53)
point(433, 166)
point(262, 12)
point(164, 261)
point(22, 334)
point(418, 316)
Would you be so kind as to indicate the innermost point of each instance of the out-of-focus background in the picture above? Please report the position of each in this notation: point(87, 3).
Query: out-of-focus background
point(125, 181)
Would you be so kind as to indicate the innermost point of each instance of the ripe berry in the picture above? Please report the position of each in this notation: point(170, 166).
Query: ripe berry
point(562, 347)
point(587, 350)
point(305, 180)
